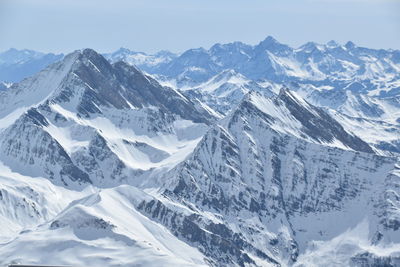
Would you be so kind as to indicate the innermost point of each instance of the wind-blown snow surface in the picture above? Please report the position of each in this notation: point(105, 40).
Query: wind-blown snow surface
point(95, 228)
point(271, 192)
point(101, 165)
point(84, 124)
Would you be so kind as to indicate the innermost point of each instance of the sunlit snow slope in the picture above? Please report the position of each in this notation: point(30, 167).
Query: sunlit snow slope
point(101, 165)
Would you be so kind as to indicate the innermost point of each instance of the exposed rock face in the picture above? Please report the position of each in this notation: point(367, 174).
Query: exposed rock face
point(270, 191)
point(324, 66)
point(141, 174)
point(75, 116)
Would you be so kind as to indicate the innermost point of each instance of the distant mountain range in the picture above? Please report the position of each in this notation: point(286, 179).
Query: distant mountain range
point(234, 156)
point(332, 64)
point(269, 60)
point(18, 64)
point(320, 73)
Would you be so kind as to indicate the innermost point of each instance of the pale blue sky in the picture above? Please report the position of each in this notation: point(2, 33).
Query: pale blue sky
point(177, 25)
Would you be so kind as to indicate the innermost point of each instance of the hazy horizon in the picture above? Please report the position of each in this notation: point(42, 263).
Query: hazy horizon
point(149, 26)
point(179, 52)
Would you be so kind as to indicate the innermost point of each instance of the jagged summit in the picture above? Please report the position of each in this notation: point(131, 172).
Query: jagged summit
point(82, 120)
point(332, 44)
point(265, 170)
point(217, 48)
point(350, 45)
point(272, 45)
point(310, 47)
point(13, 55)
point(97, 157)
point(269, 40)
point(323, 66)
point(84, 80)
point(288, 113)
point(122, 50)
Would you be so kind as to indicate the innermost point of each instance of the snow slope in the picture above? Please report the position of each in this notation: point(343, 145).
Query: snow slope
point(85, 120)
point(271, 193)
point(84, 124)
point(102, 165)
point(100, 228)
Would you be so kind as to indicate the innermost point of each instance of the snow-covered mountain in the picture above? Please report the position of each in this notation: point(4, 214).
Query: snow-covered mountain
point(142, 60)
point(352, 103)
point(16, 65)
point(356, 81)
point(374, 118)
point(332, 65)
point(323, 70)
point(85, 120)
point(102, 165)
point(4, 86)
point(225, 90)
point(361, 84)
point(80, 125)
point(264, 183)
point(93, 226)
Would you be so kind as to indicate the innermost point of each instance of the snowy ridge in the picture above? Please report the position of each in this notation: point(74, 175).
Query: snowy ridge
point(102, 165)
point(224, 91)
point(278, 192)
point(357, 81)
point(383, 136)
point(330, 64)
point(88, 227)
point(4, 86)
point(102, 121)
point(33, 91)
point(140, 59)
point(290, 114)
point(85, 124)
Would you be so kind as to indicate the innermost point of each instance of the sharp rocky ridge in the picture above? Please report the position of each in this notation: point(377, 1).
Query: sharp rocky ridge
point(98, 157)
point(359, 85)
point(85, 120)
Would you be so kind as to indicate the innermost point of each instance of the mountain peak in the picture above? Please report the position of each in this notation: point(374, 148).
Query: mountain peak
point(286, 94)
point(350, 45)
point(165, 53)
point(229, 46)
point(283, 91)
point(17, 56)
point(24, 51)
point(290, 114)
point(88, 61)
point(123, 50)
point(271, 44)
point(310, 47)
point(89, 53)
point(332, 44)
point(86, 83)
point(270, 40)
point(199, 50)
